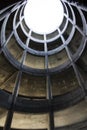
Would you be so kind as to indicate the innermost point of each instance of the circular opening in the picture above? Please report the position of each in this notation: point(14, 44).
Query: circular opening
point(43, 16)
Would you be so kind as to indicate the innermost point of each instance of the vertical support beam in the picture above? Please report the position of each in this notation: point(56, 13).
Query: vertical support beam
point(48, 88)
point(14, 95)
point(8, 120)
point(49, 97)
point(46, 55)
point(51, 120)
point(13, 101)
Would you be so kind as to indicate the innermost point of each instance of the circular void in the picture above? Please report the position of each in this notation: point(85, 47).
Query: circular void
point(43, 16)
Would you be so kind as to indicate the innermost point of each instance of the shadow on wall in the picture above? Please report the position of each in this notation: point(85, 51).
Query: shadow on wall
point(5, 3)
point(84, 2)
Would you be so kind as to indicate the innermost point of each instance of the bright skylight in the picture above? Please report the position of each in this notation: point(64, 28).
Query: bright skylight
point(43, 16)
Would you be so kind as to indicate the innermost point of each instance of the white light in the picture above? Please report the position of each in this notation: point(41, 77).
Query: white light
point(43, 16)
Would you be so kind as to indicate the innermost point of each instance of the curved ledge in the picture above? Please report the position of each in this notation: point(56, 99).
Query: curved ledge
point(41, 105)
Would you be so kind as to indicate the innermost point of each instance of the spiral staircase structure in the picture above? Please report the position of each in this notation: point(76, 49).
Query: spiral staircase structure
point(43, 77)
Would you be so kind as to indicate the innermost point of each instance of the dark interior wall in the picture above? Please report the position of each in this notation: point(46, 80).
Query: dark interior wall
point(84, 2)
point(5, 3)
